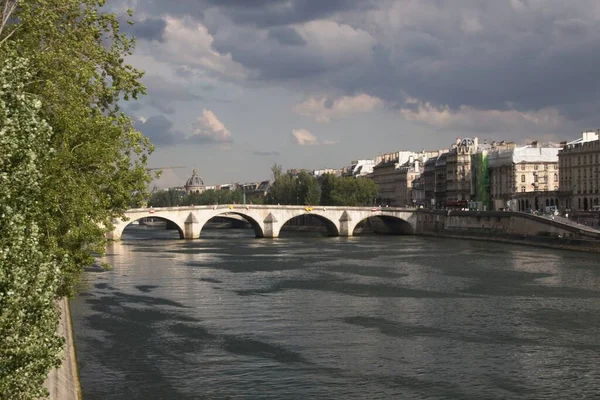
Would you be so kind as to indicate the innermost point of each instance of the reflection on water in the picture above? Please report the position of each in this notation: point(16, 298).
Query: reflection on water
point(232, 316)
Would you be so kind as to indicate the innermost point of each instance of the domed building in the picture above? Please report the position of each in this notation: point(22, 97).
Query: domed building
point(195, 184)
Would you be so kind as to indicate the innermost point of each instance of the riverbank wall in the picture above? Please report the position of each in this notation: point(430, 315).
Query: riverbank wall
point(63, 382)
point(508, 227)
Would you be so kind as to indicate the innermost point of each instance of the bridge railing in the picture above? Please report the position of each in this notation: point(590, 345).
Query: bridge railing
point(269, 207)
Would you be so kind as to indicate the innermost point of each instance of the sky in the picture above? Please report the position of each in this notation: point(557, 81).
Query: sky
point(235, 86)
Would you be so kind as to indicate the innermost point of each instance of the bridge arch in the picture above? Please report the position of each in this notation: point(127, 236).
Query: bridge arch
point(389, 223)
point(171, 223)
point(258, 229)
point(331, 226)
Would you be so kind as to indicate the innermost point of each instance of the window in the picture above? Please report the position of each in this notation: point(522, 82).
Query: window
point(522, 189)
point(546, 166)
point(555, 177)
point(522, 178)
point(522, 167)
point(535, 167)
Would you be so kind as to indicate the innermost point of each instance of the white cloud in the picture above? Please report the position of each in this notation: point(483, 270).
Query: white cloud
point(323, 110)
point(303, 137)
point(208, 129)
point(470, 119)
point(188, 44)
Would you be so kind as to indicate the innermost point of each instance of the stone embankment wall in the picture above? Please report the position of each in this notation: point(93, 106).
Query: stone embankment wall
point(508, 226)
point(63, 382)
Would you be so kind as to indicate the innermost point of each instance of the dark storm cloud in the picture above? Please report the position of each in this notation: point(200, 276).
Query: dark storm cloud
point(159, 130)
point(167, 91)
point(146, 29)
point(286, 36)
point(506, 55)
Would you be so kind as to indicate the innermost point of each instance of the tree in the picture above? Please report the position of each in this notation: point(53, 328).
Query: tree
point(29, 275)
point(307, 189)
point(283, 190)
point(166, 198)
point(70, 162)
point(76, 57)
point(347, 191)
point(328, 182)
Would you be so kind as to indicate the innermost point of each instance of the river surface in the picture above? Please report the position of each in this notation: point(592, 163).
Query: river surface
point(305, 317)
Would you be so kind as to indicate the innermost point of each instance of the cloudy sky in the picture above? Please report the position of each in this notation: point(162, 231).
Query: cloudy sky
point(237, 85)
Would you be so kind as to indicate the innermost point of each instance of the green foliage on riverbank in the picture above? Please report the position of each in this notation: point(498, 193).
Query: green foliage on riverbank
point(328, 190)
point(174, 198)
point(70, 162)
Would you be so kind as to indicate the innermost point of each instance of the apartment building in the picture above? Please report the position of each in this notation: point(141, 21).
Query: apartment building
point(579, 166)
point(524, 178)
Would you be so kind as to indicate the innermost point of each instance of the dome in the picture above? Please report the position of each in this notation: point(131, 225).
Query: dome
point(195, 180)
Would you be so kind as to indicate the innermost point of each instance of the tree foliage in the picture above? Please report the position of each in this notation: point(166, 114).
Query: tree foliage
point(329, 190)
point(213, 197)
point(70, 162)
point(174, 198)
point(349, 191)
point(287, 188)
point(76, 57)
point(29, 275)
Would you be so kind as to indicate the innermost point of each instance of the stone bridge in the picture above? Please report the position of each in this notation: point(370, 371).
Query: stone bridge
point(267, 220)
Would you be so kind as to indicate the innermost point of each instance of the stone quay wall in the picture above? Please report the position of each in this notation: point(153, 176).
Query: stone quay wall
point(508, 226)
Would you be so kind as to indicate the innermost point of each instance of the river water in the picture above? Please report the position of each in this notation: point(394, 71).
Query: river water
point(305, 317)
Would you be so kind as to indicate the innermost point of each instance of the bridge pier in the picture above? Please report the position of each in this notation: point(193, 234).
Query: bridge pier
point(345, 227)
point(192, 227)
point(271, 227)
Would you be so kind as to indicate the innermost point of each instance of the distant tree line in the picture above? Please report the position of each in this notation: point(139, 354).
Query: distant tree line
point(174, 198)
point(329, 190)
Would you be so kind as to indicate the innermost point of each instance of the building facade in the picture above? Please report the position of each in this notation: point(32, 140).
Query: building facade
point(441, 181)
point(519, 175)
point(579, 164)
point(407, 177)
point(385, 174)
point(428, 181)
point(359, 168)
point(458, 170)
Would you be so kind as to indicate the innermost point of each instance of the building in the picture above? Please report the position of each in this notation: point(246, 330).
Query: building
point(359, 168)
point(256, 191)
point(409, 185)
point(385, 175)
point(580, 172)
point(524, 178)
point(458, 172)
point(428, 181)
point(194, 184)
point(441, 180)
point(317, 173)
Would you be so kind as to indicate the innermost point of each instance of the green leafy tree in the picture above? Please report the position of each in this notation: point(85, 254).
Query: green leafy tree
point(29, 274)
point(76, 56)
point(212, 196)
point(328, 182)
point(354, 192)
point(283, 190)
point(166, 198)
point(70, 162)
point(307, 189)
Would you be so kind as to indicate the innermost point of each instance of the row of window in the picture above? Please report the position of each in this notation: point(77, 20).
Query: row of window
point(536, 166)
point(586, 158)
point(543, 178)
